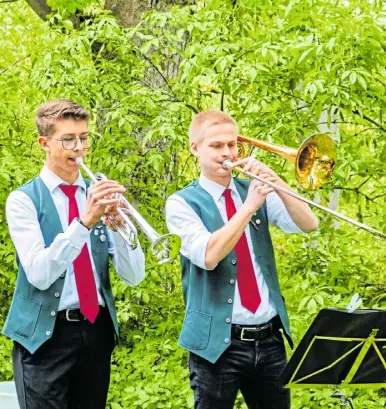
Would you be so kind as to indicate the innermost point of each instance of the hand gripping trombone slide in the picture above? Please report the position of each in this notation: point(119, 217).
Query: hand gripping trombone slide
point(164, 247)
point(227, 164)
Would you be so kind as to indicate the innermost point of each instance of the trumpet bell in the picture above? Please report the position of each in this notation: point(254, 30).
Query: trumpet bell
point(166, 248)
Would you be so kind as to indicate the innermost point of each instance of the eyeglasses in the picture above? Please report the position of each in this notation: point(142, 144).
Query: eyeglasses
point(71, 142)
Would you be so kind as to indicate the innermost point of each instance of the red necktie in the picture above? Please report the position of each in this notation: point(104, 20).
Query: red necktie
point(84, 276)
point(246, 279)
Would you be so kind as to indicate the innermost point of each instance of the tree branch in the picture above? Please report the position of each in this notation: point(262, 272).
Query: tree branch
point(222, 100)
point(364, 182)
point(14, 63)
point(40, 7)
point(378, 196)
point(355, 189)
point(370, 120)
point(294, 96)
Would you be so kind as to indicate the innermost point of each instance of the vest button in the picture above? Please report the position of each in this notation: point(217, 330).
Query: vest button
point(228, 320)
point(57, 295)
point(62, 275)
point(48, 333)
point(232, 281)
point(258, 221)
point(230, 301)
point(234, 261)
point(226, 340)
point(53, 313)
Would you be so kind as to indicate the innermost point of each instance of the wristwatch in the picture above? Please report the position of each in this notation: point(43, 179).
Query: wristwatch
point(80, 222)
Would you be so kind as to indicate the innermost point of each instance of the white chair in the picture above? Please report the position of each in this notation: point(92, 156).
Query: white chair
point(8, 398)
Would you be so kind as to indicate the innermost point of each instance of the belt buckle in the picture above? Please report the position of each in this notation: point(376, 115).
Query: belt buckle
point(253, 330)
point(242, 334)
point(71, 319)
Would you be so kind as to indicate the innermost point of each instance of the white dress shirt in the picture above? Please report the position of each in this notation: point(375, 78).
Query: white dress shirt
point(44, 265)
point(183, 220)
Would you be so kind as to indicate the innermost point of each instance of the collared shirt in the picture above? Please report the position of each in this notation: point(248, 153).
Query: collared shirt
point(183, 220)
point(44, 265)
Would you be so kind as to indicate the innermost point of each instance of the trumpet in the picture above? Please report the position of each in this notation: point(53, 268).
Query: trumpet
point(163, 247)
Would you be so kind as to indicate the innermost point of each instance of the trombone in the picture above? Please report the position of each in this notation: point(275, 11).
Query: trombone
point(314, 161)
point(163, 247)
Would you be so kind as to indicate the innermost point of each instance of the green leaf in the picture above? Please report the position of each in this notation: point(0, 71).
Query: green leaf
point(305, 54)
point(353, 77)
point(362, 82)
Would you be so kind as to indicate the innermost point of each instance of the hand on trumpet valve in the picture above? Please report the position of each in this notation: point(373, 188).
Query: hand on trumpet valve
point(112, 218)
point(101, 196)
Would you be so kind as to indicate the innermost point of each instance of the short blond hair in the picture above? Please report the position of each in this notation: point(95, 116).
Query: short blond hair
point(204, 120)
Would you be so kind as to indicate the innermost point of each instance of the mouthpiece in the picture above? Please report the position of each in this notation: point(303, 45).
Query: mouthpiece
point(79, 160)
point(227, 164)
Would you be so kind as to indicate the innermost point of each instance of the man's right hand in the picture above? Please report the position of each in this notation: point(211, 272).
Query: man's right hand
point(257, 191)
point(100, 197)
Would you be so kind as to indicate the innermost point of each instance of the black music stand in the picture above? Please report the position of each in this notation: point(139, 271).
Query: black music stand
point(342, 348)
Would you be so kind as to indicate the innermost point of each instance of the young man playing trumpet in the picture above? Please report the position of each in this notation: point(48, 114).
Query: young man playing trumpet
point(62, 316)
point(234, 308)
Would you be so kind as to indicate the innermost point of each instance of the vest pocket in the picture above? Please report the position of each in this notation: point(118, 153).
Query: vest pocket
point(196, 330)
point(23, 316)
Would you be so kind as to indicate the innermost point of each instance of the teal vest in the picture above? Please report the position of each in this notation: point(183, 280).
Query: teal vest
point(31, 318)
point(209, 295)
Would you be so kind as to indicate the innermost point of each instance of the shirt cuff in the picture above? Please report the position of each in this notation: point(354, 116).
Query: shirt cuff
point(197, 251)
point(77, 234)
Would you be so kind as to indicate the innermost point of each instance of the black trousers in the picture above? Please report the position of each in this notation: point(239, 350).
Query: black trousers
point(69, 371)
point(253, 367)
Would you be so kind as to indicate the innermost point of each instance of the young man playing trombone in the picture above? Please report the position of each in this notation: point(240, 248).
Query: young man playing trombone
point(234, 307)
point(62, 316)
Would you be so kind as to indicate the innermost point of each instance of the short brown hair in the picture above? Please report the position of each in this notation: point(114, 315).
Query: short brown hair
point(202, 121)
point(52, 111)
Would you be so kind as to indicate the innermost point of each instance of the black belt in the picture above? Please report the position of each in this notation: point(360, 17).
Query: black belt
point(255, 332)
point(71, 315)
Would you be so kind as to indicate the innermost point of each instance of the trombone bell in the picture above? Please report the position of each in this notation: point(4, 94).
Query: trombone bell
point(314, 160)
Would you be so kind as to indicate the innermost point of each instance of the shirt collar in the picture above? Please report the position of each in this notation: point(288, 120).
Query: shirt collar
point(215, 189)
point(52, 181)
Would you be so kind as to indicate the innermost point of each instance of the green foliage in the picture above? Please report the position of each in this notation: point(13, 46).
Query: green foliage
point(283, 69)
point(67, 7)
